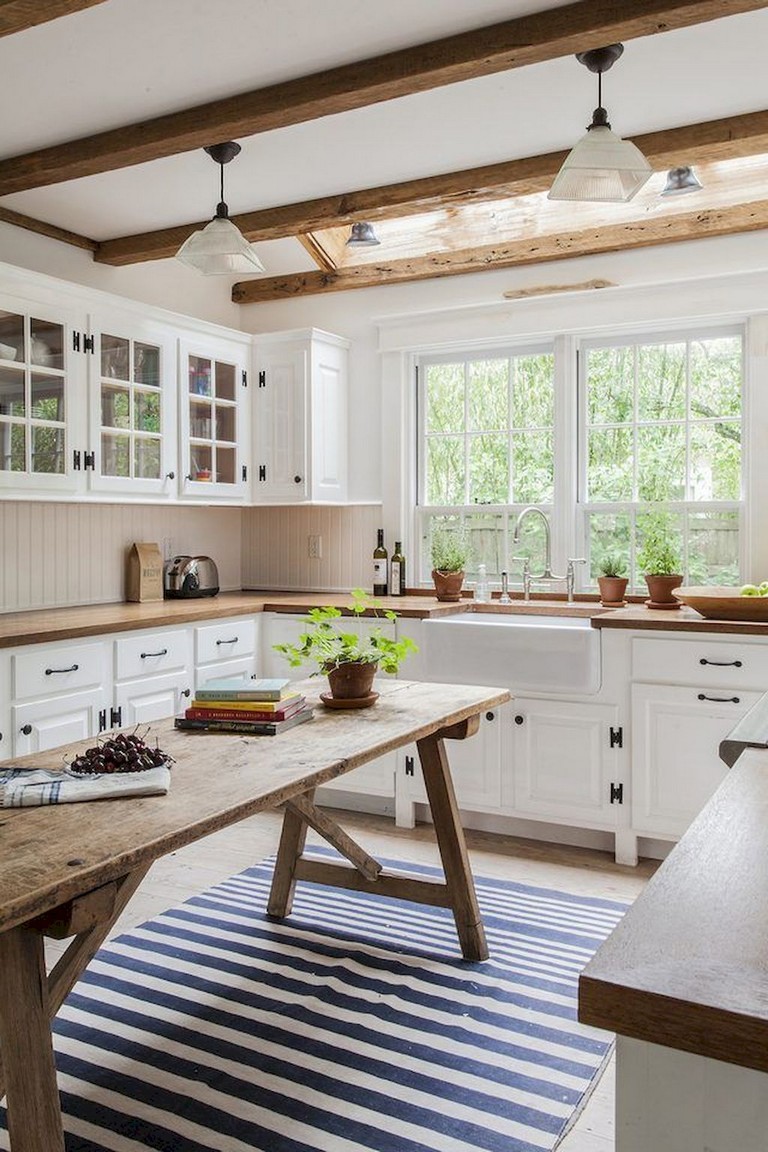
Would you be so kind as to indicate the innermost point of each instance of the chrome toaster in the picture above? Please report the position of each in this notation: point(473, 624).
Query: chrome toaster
point(187, 576)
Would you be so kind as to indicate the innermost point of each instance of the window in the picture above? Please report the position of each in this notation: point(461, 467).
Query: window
point(486, 445)
point(661, 424)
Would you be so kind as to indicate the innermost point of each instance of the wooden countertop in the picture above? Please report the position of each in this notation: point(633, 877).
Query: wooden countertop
point(47, 625)
point(688, 965)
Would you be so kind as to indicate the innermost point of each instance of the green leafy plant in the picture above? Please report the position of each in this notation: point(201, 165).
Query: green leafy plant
point(659, 553)
point(612, 564)
point(328, 646)
point(450, 549)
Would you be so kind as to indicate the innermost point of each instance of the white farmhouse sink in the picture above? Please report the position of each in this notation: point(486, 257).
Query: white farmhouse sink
point(523, 653)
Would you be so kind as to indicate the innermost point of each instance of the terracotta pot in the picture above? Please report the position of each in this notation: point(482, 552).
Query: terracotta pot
point(351, 681)
point(448, 585)
point(612, 589)
point(660, 588)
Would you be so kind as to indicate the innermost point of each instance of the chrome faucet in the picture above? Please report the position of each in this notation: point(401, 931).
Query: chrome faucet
point(547, 574)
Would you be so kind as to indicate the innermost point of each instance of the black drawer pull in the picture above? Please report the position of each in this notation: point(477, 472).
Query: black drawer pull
point(721, 663)
point(61, 671)
point(720, 699)
point(234, 640)
point(162, 652)
point(26, 730)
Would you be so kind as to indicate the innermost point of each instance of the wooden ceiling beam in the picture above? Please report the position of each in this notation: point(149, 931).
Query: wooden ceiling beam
point(710, 141)
point(30, 224)
point(16, 15)
point(643, 233)
point(514, 43)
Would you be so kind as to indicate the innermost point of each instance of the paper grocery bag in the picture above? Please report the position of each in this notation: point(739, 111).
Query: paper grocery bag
point(144, 579)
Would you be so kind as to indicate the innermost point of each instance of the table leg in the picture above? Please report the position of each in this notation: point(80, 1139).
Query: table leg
point(451, 843)
point(293, 837)
point(34, 1109)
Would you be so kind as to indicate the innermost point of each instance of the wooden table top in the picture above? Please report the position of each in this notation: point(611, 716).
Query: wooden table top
point(688, 965)
point(49, 855)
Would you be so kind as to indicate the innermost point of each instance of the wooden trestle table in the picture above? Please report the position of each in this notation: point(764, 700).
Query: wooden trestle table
point(69, 870)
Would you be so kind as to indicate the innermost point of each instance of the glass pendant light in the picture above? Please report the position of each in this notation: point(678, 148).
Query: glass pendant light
point(680, 181)
point(220, 248)
point(362, 236)
point(601, 166)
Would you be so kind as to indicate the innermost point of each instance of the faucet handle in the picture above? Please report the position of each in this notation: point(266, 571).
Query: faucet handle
point(576, 560)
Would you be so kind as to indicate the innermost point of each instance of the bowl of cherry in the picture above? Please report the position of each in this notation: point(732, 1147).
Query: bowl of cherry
point(126, 752)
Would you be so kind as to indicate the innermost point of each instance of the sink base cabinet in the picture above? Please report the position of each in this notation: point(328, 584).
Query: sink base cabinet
point(566, 762)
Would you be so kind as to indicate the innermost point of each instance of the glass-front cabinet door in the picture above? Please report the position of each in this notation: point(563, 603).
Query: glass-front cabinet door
point(132, 384)
point(213, 385)
point(40, 387)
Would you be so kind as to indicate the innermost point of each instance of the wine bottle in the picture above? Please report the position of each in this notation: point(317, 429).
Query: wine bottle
point(397, 571)
point(380, 573)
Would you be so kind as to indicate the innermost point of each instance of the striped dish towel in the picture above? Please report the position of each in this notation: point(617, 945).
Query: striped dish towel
point(25, 788)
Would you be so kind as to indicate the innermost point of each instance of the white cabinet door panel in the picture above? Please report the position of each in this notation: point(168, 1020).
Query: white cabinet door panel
point(47, 723)
point(475, 765)
point(152, 699)
point(45, 669)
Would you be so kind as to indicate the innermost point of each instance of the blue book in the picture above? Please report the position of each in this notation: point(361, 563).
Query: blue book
point(233, 688)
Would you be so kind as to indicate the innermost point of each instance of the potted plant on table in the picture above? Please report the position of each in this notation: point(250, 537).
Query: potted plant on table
point(612, 580)
point(348, 660)
point(450, 552)
point(659, 560)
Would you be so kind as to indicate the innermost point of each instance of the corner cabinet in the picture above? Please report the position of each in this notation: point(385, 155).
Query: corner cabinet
point(300, 417)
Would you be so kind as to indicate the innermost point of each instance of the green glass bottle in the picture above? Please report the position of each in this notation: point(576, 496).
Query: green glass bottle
point(397, 571)
point(380, 569)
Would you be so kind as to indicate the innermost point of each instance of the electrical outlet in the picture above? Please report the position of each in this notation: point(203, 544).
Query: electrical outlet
point(315, 547)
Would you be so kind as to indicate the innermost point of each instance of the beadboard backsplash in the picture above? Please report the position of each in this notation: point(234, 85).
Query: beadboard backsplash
point(276, 547)
point(53, 555)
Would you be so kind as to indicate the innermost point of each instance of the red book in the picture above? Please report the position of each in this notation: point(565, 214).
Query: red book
point(202, 713)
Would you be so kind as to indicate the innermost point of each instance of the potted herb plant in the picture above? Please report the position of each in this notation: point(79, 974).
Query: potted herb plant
point(612, 580)
point(449, 551)
point(349, 661)
point(659, 560)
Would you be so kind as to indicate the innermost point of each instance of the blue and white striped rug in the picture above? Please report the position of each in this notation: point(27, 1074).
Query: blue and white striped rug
point(353, 1025)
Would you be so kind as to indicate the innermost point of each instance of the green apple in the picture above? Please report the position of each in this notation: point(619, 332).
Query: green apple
point(750, 590)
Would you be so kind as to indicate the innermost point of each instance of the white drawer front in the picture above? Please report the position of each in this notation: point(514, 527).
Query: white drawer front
point(49, 669)
point(243, 669)
point(702, 660)
point(151, 654)
point(225, 640)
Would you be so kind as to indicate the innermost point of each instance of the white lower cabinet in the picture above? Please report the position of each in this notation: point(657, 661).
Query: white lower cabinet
point(675, 762)
point(47, 723)
point(153, 675)
point(475, 768)
point(59, 693)
point(566, 762)
point(226, 649)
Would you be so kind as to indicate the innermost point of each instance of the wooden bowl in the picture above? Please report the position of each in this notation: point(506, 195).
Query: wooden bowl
point(724, 604)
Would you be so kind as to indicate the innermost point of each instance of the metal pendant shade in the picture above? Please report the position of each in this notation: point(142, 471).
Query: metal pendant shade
point(680, 181)
point(220, 249)
point(601, 166)
point(362, 235)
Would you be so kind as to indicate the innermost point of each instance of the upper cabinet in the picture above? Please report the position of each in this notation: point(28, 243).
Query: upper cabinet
point(41, 390)
point(213, 419)
point(300, 417)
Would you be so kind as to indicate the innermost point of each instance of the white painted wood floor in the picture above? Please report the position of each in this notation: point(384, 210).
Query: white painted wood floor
point(579, 870)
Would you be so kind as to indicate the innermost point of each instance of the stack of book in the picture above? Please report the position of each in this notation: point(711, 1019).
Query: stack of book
point(255, 707)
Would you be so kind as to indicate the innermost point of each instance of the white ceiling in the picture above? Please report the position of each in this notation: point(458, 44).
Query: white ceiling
point(128, 60)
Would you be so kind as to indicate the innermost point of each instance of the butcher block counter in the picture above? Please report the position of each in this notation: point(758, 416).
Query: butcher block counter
point(47, 625)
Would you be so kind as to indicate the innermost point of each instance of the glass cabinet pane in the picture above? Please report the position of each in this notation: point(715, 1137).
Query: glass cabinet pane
point(47, 397)
point(13, 447)
point(115, 406)
point(199, 376)
point(115, 357)
point(201, 456)
point(225, 423)
point(225, 465)
point(46, 344)
point(146, 365)
point(200, 427)
point(115, 455)
point(12, 402)
point(225, 381)
point(131, 401)
point(147, 458)
point(47, 450)
point(147, 411)
point(11, 336)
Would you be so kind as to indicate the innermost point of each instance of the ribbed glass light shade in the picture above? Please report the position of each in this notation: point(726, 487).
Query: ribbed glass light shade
point(680, 181)
point(219, 249)
point(601, 167)
point(362, 235)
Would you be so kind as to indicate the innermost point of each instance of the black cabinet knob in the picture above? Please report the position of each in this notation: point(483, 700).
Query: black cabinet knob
point(26, 730)
point(519, 719)
point(297, 479)
point(490, 715)
point(186, 692)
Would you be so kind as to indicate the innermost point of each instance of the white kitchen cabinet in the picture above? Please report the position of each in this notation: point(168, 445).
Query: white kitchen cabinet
point(476, 767)
point(227, 648)
point(567, 762)
point(213, 419)
point(300, 417)
point(42, 386)
point(59, 693)
point(132, 373)
point(154, 675)
point(675, 762)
